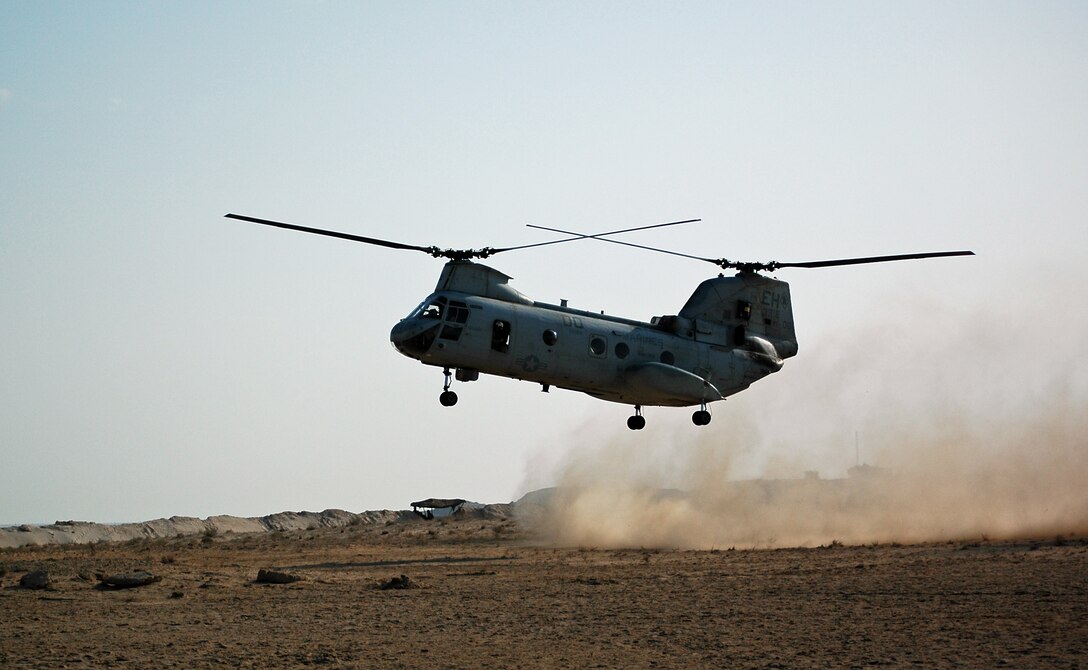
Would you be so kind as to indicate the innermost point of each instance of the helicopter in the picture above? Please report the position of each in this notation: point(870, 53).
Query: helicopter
point(731, 332)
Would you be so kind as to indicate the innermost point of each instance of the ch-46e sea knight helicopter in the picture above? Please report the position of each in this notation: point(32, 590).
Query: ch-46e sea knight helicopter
point(731, 332)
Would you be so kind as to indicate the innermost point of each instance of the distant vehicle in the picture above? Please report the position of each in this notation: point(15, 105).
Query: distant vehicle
point(731, 332)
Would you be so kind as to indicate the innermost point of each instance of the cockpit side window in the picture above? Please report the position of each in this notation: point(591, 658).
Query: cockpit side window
point(458, 312)
point(456, 316)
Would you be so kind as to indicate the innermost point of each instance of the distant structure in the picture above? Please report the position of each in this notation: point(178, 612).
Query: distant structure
point(863, 469)
point(437, 507)
point(866, 470)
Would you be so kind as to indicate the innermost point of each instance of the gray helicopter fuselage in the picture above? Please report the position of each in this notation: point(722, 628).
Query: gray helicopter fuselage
point(731, 332)
point(476, 323)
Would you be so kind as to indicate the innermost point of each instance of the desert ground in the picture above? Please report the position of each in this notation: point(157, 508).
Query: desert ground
point(489, 593)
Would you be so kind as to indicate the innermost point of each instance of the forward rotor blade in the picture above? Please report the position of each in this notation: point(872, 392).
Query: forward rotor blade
point(333, 233)
point(872, 259)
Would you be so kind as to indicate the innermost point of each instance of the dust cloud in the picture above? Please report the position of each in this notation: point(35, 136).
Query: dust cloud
point(968, 440)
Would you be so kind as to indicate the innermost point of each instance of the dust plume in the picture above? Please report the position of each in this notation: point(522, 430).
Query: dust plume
point(970, 442)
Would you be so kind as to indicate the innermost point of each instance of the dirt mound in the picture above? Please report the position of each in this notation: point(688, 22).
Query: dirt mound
point(86, 532)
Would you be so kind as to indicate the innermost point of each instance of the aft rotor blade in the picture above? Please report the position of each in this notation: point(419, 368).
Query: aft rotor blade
point(603, 237)
point(872, 259)
point(580, 236)
point(771, 266)
point(332, 233)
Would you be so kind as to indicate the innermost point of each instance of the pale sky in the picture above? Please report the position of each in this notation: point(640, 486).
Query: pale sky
point(158, 359)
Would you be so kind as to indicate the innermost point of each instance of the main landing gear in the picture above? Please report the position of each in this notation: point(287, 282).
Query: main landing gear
point(701, 417)
point(448, 397)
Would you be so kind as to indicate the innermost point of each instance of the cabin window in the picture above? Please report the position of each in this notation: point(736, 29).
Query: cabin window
point(622, 350)
point(597, 345)
point(744, 310)
point(550, 337)
point(667, 358)
point(500, 335)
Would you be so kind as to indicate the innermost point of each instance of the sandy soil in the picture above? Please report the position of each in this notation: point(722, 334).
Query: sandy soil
point(491, 596)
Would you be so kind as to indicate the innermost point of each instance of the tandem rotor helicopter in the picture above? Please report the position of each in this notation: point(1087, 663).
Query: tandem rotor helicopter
point(731, 332)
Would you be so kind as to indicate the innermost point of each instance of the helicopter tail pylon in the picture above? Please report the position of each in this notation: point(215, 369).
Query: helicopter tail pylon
point(749, 311)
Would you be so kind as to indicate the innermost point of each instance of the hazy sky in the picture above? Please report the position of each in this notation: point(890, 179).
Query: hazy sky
point(158, 359)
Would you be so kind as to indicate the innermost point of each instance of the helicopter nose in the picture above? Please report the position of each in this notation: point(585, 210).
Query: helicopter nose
point(414, 337)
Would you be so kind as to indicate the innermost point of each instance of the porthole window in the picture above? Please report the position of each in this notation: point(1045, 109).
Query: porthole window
point(597, 346)
point(622, 350)
point(667, 358)
point(550, 337)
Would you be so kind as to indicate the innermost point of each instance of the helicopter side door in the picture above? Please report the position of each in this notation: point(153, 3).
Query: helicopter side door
point(477, 335)
point(533, 344)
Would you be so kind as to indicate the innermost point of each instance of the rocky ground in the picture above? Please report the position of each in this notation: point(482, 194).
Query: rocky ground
point(484, 593)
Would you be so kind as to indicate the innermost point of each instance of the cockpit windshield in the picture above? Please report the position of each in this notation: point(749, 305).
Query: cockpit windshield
point(453, 314)
point(431, 308)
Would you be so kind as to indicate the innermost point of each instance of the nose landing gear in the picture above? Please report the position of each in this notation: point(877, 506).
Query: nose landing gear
point(636, 422)
point(448, 398)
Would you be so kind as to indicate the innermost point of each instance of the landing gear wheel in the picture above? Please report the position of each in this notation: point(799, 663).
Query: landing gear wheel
point(448, 397)
point(701, 417)
point(636, 422)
